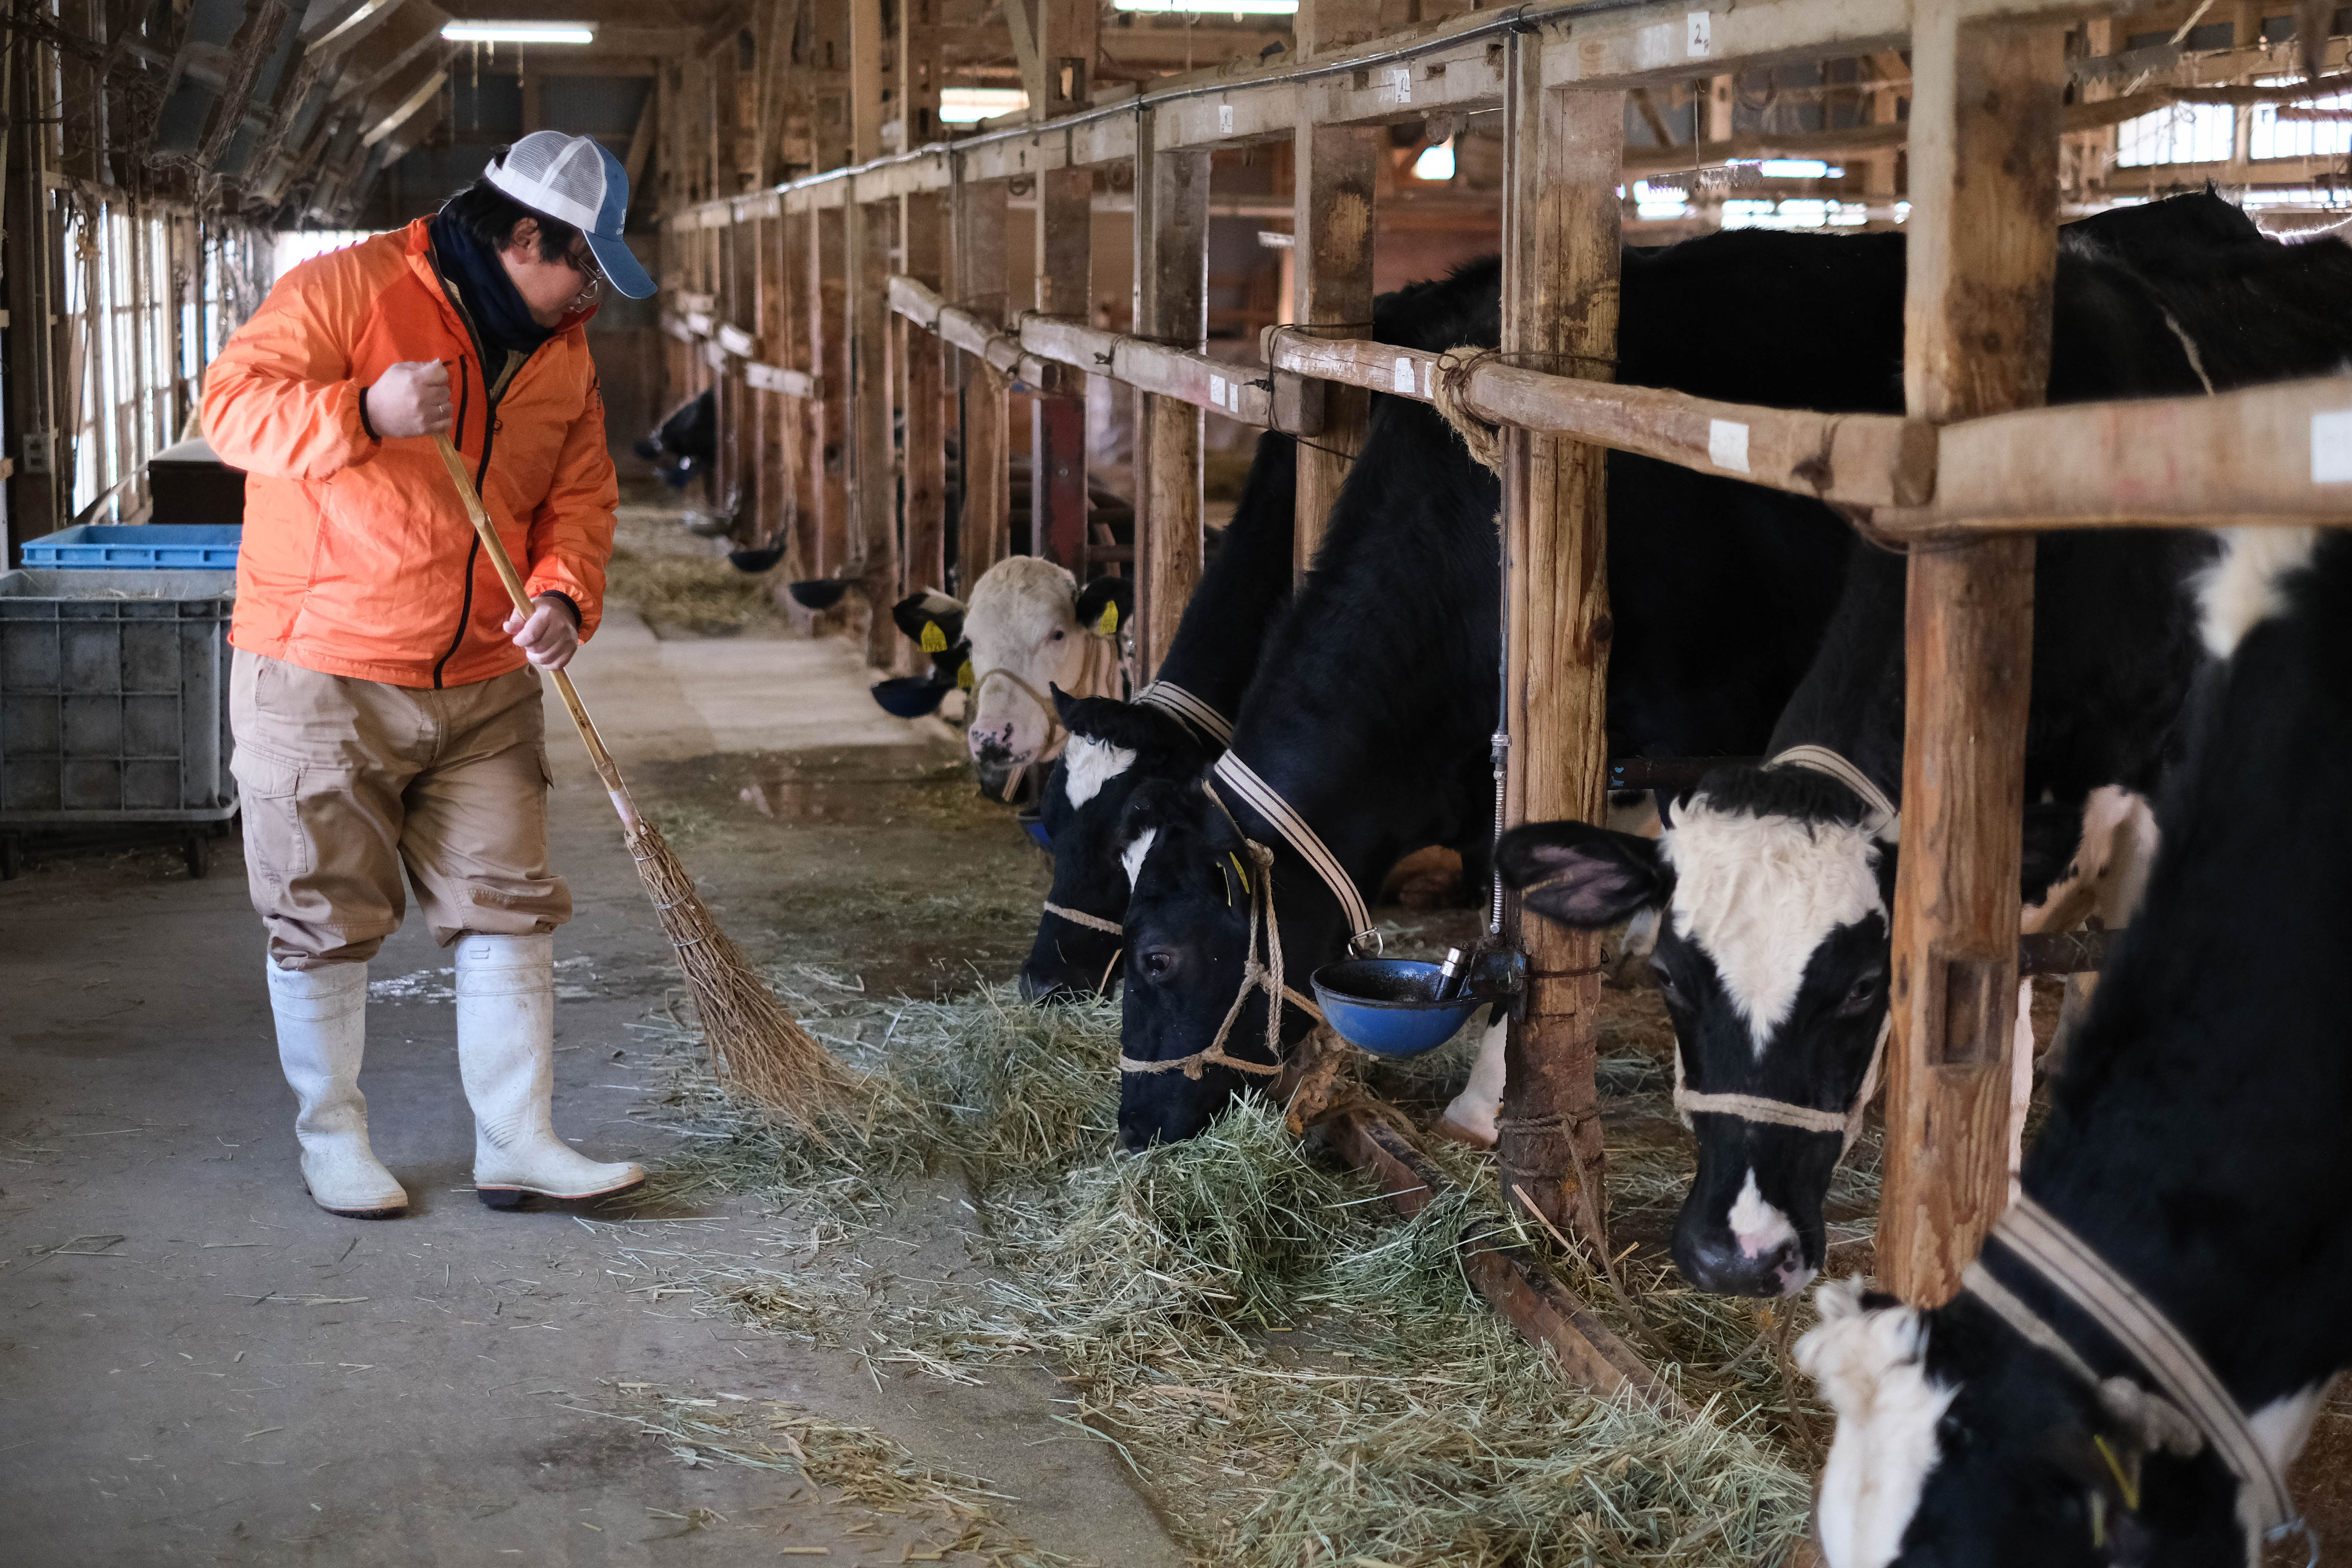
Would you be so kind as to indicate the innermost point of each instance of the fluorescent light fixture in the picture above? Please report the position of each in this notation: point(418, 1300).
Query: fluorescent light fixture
point(1799, 169)
point(1213, 7)
point(1435, 163)
point(519, 33)
point(970, 105)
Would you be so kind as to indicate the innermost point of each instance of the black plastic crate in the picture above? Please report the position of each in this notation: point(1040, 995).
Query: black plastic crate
point(114, 697)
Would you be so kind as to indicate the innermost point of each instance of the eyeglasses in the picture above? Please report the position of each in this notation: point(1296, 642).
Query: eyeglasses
point(584, 262)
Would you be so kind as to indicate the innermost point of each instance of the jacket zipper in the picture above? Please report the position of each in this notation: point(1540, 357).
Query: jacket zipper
point(491, 395)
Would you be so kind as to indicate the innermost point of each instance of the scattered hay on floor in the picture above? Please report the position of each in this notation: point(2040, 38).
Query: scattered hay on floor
point(1297, 1375)
point(854, 1465)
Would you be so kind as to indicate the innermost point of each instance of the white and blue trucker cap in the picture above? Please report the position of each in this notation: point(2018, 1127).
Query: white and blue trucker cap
point(575, 180)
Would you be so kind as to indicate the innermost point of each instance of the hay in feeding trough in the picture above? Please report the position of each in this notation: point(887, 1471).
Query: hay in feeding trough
point(1297, 1375)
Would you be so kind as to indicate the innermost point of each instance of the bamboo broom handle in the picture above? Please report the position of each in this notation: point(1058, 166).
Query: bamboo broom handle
point(483, 528)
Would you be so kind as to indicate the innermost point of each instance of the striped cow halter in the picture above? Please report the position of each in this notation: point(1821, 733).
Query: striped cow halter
point(2040, 1241)
point(1261, 797)
point(1204, 722)
point(1202, 719)
point(1846, 1123)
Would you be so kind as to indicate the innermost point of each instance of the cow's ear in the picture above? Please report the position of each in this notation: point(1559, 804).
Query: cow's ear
point(1105, 604)
point(1860, 1351)
point(1580, 875)
point(934, 620)
point(1065, 705)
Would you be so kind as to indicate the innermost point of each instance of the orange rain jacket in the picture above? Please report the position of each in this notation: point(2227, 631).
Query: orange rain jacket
point(358, 557)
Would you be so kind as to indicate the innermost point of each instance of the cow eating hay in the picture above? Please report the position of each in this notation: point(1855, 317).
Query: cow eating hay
point(1234, 1304)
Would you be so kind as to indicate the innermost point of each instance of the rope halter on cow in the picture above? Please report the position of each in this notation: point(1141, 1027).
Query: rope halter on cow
point(1097, 675)
point(1190, 711)
point(2188, 1388)
point(1258, 885)
point(1885, 823)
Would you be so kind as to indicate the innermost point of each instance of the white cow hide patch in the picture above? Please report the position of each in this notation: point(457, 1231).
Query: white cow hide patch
point(1757, 1226)
point(1871, 1367)
point(1132, 856)
point(2240, 591)
point(1088, 764)
point(1759, 894)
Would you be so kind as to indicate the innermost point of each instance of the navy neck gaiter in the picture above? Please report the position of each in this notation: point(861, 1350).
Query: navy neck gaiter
point(489, 296)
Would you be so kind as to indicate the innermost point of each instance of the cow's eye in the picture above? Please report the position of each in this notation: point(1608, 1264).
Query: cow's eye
point(1667, 986)
point(1057, 637)
point(1860, 996)
point(1158, 962)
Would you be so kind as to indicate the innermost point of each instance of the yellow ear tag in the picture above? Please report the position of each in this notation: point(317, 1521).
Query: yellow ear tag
point(1238, 872)
point(1109, 621)
point(934, 640)
point(2126, 1484)
point(963, 676)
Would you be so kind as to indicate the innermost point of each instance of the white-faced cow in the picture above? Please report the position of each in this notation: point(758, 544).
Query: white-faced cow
point(1174, 728)
point(1777, 881)
point(1375, 699)
point(2141, 1348)
point(1032, 628)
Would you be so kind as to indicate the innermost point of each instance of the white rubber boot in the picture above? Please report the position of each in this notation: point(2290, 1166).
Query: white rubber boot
point(321, 1018)
point(506, 1053)
point(1471, 1118)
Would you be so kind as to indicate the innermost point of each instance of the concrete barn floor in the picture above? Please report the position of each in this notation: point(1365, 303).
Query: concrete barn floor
point(197, 1364)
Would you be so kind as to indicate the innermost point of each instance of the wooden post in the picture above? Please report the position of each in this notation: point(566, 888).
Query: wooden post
point(1985, 121)
point(984, 526)
point(776, 412)
point(922, 227)
point(1069, 38)
point(1332, 272)
point(1559, 297)
point(829, 431)
point(926, 436)
point(1058, 447)
point(1172, 306)
point(872, 474)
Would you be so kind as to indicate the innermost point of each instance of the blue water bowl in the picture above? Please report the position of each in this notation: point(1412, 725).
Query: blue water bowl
point(1035, 827)
point(817, 592)
point(1383, 1004)
point(909, 696)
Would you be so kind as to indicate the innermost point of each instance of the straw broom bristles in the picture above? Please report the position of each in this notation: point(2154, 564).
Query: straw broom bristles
point(755, 1042)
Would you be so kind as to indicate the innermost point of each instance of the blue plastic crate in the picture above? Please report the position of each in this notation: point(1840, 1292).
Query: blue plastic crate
point(136, 547)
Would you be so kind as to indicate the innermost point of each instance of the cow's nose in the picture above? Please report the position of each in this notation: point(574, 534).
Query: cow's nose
point(1131, 1141)
point(1040, 991)
point(1720, 1266)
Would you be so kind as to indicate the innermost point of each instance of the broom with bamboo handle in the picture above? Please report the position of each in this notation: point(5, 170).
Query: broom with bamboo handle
point(755, 1042)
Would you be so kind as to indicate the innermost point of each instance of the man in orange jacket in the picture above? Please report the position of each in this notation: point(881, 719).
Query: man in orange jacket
point(385, 711)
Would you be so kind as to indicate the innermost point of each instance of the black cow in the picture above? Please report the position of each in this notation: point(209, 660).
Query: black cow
point(1376, 696)
point(1779, 881)
point(685, 444)
point(1115, 746)
point(2195, 1145)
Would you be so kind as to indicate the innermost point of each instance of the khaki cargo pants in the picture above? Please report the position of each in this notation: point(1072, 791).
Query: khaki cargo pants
point(344, 781)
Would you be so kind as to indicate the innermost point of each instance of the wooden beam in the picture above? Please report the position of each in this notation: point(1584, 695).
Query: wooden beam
point(1561, 151)
point(1069, 38)
point(1326, 26)
point(1985, 118)
point(1332, 294)
point(1864, 460)
point(1172, 305)
point(984, 525)
point(1514, 1280)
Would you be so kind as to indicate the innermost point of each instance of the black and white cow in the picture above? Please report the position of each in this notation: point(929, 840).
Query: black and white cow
point(1115, 745)
point(2195, 1145)
point(685, 444)
point(1777, 882)
point(1372, 712)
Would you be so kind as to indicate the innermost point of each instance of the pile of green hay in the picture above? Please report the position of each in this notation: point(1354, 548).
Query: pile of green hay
point(1296, 1373)
point(697, 590)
